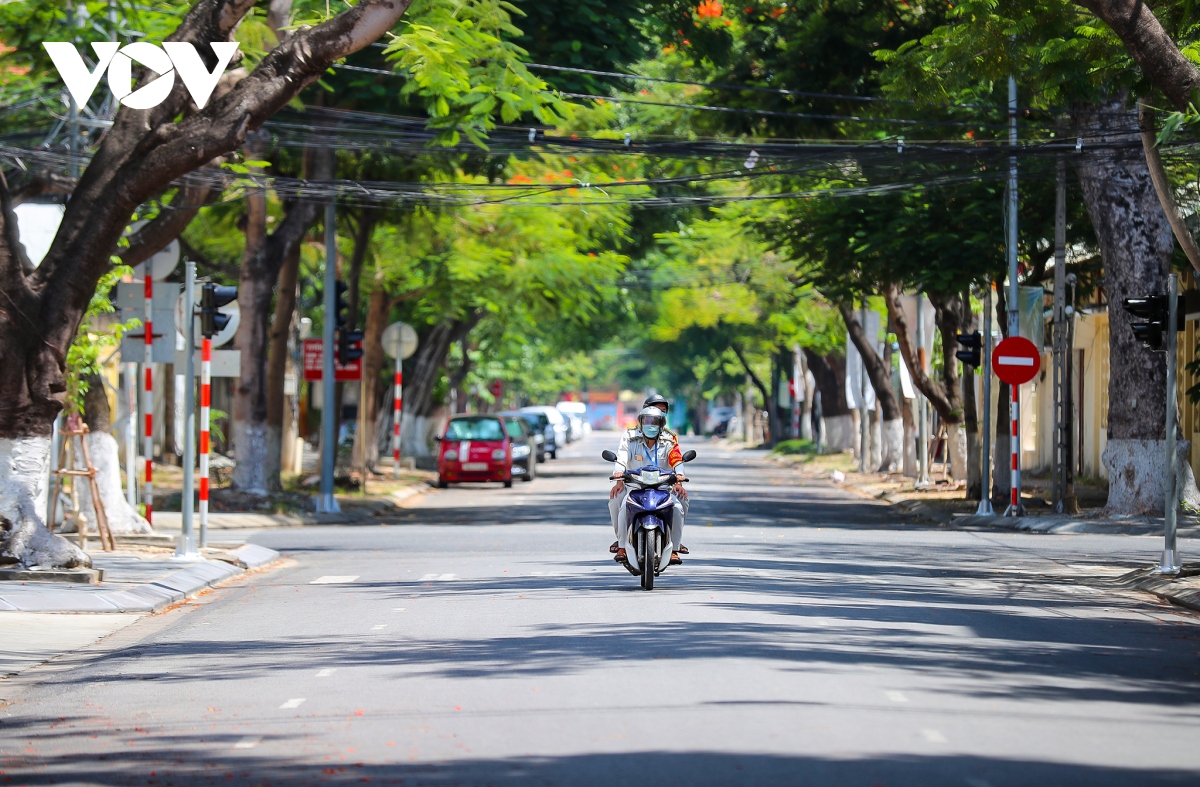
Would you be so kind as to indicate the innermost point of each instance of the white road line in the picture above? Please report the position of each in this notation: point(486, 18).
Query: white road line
point(247, 743)
point(325, 673)
point(896, 696)
point(933, 736)
point(333, 579)
point(292, 703)
point(398, 609)
point(378, 626)
point(438, 578)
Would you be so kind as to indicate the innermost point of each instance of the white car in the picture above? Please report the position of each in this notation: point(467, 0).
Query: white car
point(717, 416)
point(576, 413)
point(557, 420)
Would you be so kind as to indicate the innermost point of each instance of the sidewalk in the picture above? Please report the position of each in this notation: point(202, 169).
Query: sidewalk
point(134, 579)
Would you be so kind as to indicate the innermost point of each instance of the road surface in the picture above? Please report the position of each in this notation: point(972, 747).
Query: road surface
point(486, 637)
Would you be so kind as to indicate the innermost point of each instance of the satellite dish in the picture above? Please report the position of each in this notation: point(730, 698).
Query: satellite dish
point(222, 337)
point(162, 263)
point(399, 340)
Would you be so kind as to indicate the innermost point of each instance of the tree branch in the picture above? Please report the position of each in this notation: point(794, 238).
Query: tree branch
point(169, 224)
point(1162, 187)
point(1157, 55)
point(934, 391)
point(881, 378)
point(762, 389)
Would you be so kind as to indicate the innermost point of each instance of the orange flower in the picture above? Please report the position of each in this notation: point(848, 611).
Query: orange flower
point(778, 12)
point(709, 9)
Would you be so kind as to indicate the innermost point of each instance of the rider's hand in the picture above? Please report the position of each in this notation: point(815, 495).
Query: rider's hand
point(617, 489)
point(679, 491)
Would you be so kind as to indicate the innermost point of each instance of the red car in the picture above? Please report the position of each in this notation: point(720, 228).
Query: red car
point(475, 448)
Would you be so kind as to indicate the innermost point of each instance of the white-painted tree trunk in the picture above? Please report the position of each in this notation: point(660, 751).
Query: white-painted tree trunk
point(252, 445)
point(122, 517)
point(893, 446)
point(957, 439)
point(876, 438)
point(1136, 469)
point(839, 432)
point(24, 540)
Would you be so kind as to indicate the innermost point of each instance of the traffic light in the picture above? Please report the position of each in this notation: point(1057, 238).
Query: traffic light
point(348, 348)
point(1150, 319)
point(971, 354)
point(213, 297)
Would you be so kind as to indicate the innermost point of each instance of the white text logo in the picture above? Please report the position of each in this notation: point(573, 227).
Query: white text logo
point(118, 60)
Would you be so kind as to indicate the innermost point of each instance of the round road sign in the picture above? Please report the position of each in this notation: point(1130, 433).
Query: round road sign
point(1016, 360)
point(399, 338)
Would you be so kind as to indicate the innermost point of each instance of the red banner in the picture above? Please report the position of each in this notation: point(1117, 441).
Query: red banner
point(314, 360)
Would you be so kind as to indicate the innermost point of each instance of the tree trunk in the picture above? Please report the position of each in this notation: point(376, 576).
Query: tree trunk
point(1136, 244)
point(427, 366)
point(261, 264)
point(365, 440)
point(830, 373)
point(102, 447)
point(880, 375)
point(140, 155)
point(281, 331)
point(945, 396)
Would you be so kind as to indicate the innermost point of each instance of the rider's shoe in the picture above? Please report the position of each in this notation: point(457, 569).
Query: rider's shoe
point(620, 556)
point(613, 548)
point(676, 560)
point(683, 550)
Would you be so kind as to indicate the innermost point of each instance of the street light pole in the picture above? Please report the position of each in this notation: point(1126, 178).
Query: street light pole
point(985, 487)
point(187, 539)
point(1170, 556)
point(326, 503)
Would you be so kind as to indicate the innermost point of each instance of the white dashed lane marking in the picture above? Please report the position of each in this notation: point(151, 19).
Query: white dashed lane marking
point(325, 673)
point(292, 703)
point(333, 579)
point(896, 696)
point(933, 736)
point(247, 743)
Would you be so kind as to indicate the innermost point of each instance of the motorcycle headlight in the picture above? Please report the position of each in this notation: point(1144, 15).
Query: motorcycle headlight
point(451, 455)
point(520, 451)
point(498, 454)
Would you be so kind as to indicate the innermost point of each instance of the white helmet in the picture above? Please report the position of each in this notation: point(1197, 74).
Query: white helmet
point(651, 421)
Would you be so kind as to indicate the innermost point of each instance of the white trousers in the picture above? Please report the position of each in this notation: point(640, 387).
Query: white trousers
point(618, 513)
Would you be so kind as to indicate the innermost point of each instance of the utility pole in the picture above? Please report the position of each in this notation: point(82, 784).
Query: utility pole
point(1014, 310)
point(1064, 487)
point(73, 110)
point(187, 539)
point(985, 487)
point(326, 503)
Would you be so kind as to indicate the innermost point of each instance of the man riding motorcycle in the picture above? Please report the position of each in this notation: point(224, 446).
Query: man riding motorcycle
point(650, 443)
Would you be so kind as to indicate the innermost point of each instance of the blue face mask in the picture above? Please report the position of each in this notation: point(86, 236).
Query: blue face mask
point(651, 430)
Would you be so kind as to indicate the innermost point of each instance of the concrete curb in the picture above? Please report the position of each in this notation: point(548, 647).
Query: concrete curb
point(353, 512)
point(1183, 590)
point(149, 597)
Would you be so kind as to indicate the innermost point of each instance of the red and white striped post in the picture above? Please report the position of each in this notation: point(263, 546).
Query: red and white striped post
point(397, 411)
point(205, 401)
point(1016, 448)
point(147, 362)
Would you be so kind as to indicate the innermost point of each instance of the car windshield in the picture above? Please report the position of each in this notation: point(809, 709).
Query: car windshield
point(474, 429)
point(514, 428)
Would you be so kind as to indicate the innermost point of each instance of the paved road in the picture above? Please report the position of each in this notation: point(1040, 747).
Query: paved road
point(486, 637)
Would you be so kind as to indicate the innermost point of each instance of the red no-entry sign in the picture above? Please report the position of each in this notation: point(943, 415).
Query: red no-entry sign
point(1016, 360)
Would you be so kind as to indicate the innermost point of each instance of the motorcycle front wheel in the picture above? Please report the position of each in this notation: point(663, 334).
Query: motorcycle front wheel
point(646, 539)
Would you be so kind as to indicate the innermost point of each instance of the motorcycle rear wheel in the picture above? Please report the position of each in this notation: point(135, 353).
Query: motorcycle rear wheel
point(646, 539)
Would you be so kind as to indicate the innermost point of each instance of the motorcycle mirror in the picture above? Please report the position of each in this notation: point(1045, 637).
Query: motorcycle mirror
point(608, 456)
point(689, 456)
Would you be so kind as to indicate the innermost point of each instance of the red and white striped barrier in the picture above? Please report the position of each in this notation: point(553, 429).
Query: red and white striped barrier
point(205, 402)
point(148, 489)
point(397, 410)
point(1016, 447)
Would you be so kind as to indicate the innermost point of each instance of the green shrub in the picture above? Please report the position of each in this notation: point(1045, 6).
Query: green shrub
point(790, 447)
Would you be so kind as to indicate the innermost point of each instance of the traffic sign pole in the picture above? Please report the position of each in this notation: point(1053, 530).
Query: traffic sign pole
point(397, 414)
point(205, 401)
point(1170, 556)
point(1016, 361)
point(327, 503)
point(985, 497)
point(186, 548)
point(148, 407)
